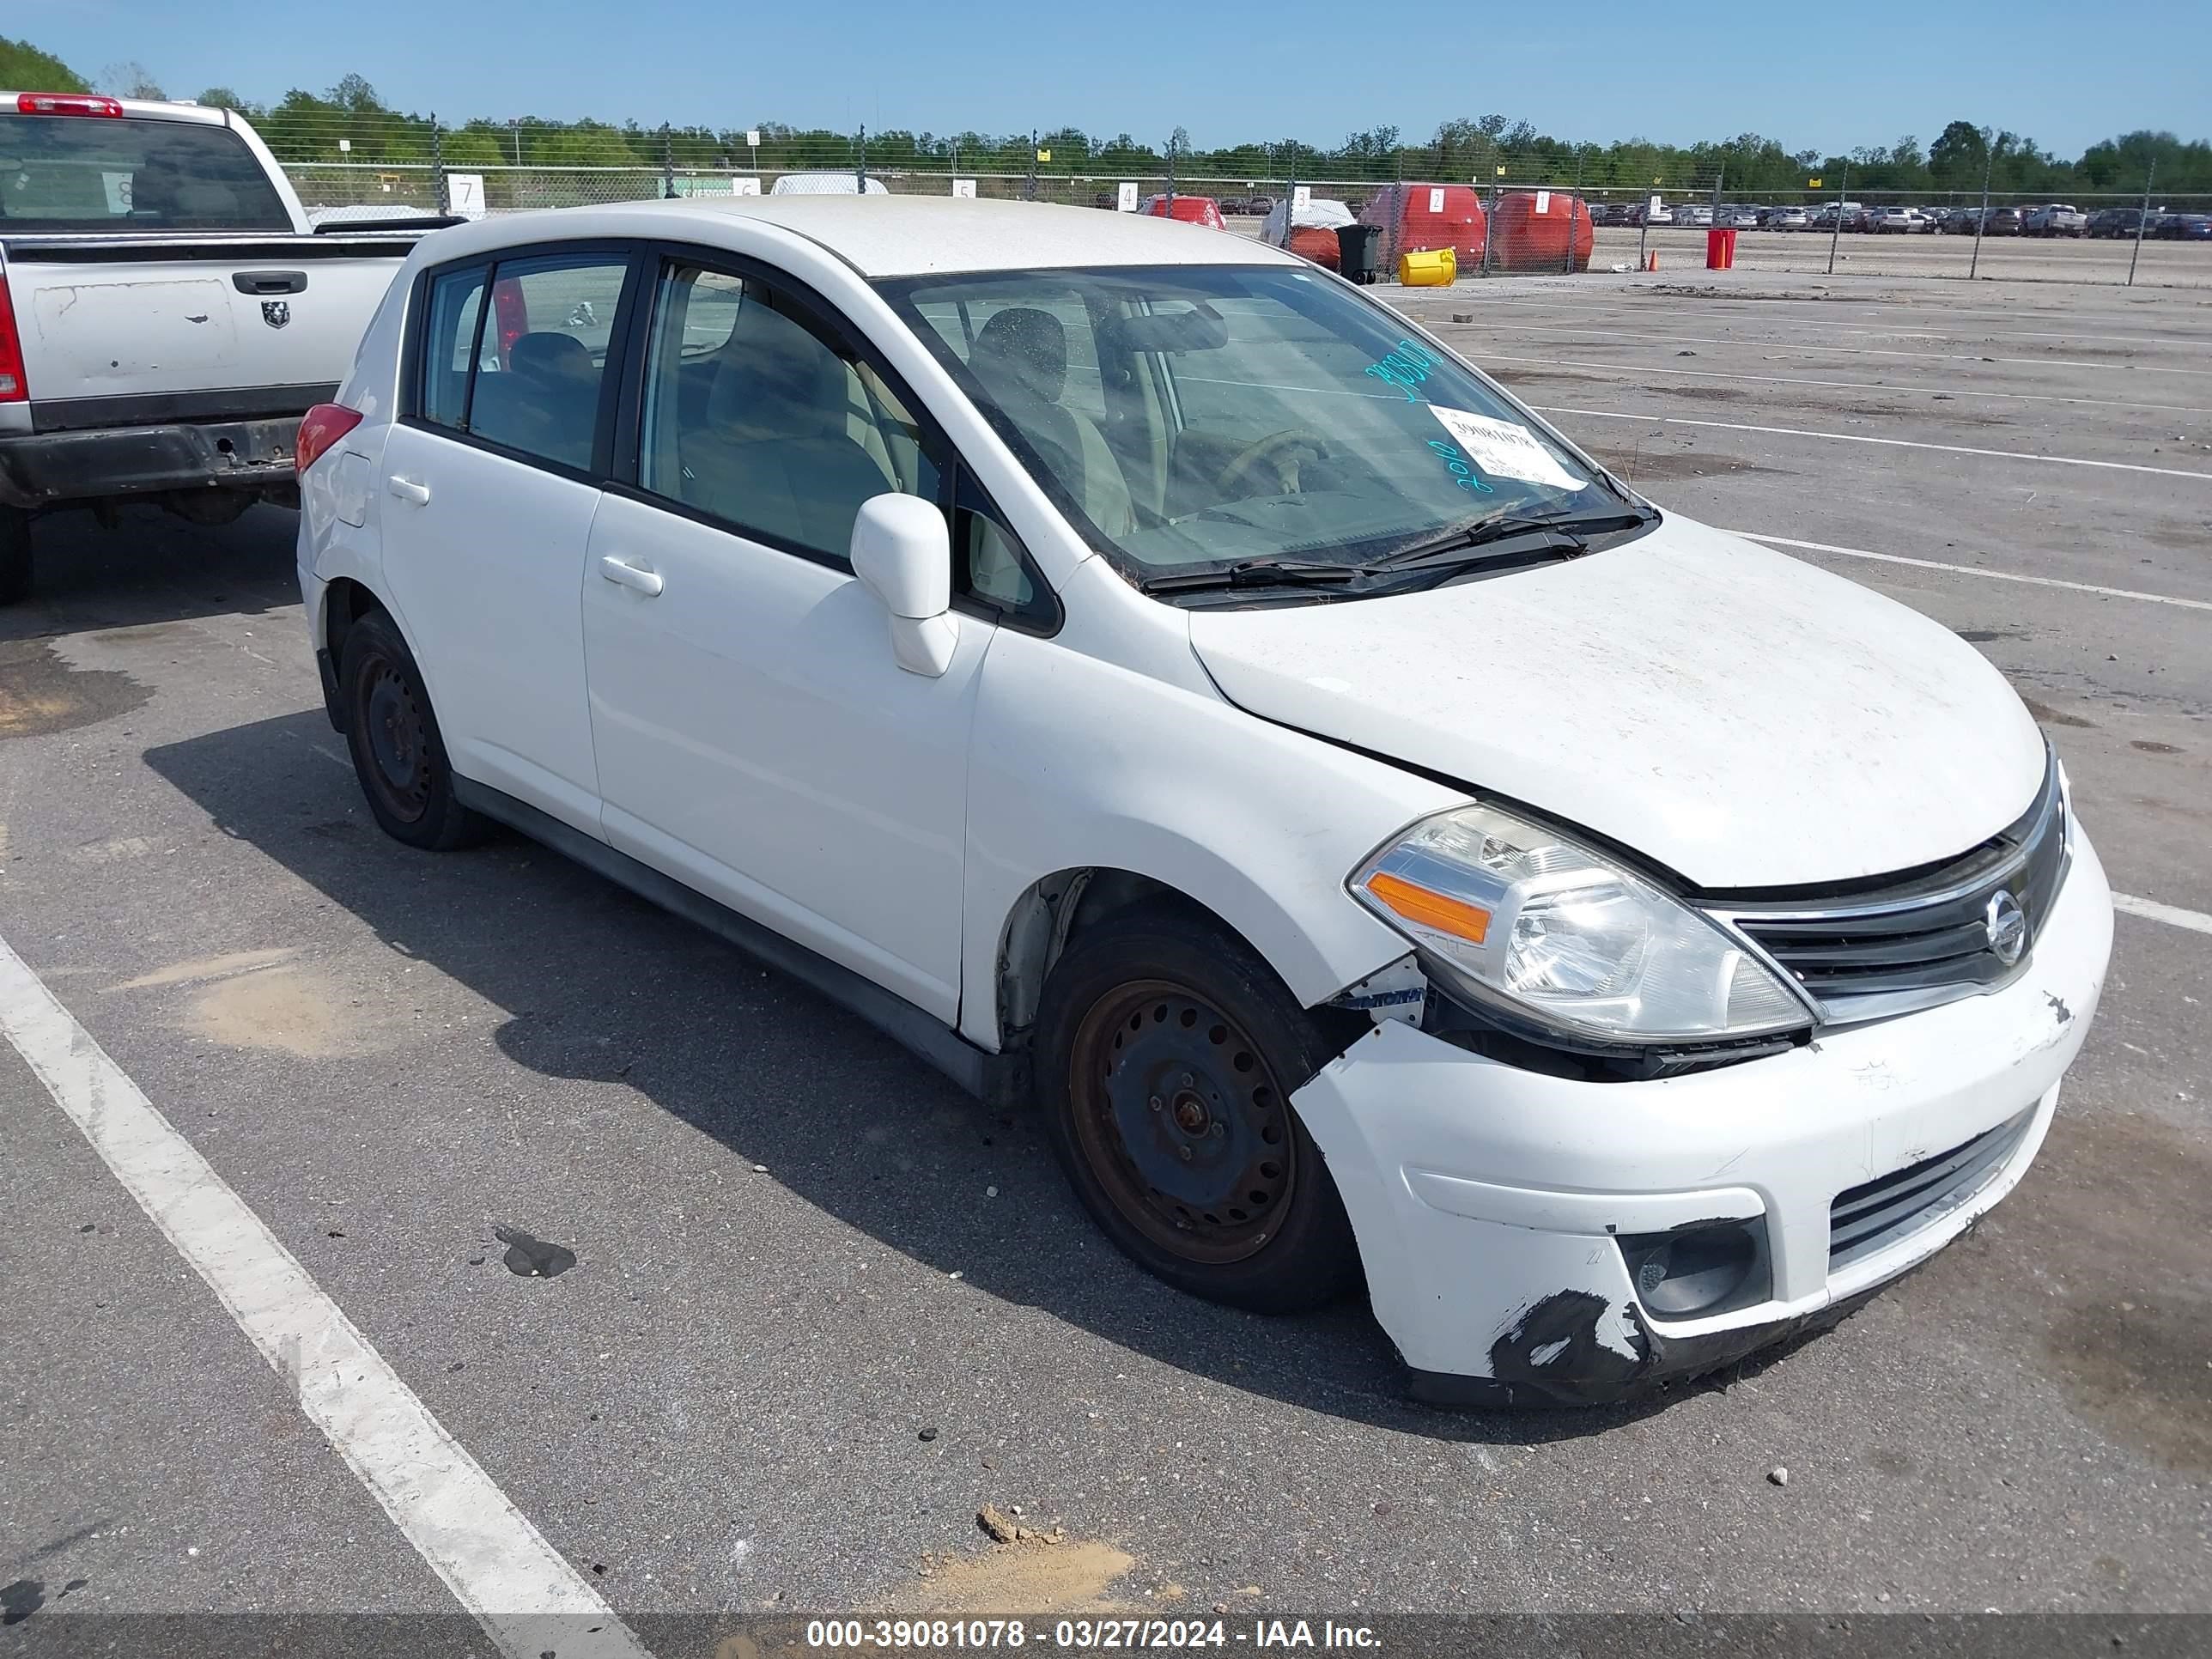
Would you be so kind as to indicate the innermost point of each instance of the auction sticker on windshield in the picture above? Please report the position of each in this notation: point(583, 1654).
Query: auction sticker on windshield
point(1505, 448)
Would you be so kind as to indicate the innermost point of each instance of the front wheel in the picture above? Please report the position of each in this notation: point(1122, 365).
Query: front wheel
point(1167, 1052)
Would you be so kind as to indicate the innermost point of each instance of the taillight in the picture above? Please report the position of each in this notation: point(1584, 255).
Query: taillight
point(13, 388)
point(65, 103)
point(320, 428)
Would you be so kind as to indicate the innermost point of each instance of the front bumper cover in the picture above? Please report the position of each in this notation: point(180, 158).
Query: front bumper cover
point(1489, 1201)
point(52, 469)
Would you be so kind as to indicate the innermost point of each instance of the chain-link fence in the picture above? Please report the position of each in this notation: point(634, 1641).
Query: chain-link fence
point(1560, 208)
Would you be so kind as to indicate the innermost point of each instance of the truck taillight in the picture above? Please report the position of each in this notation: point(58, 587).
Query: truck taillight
point(65, 103)
point(320, 428)
point(13, 389)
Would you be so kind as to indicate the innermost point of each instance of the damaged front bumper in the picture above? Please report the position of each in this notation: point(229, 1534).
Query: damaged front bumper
point(1504, 1216)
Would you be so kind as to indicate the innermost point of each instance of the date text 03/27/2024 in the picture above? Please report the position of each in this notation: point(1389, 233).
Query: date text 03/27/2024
point(1086, 1635)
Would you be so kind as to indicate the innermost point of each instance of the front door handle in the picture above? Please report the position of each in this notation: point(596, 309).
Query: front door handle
point(408, 490)
point(646, 582)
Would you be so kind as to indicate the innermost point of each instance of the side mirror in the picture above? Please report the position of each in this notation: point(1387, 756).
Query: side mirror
point(901, 553)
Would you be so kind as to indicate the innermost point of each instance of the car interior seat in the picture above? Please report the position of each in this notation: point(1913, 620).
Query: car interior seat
point(1020, 355)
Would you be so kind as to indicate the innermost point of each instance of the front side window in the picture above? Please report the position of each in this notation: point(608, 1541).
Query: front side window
point(84, 173)
point(756, 415)
point(1189, 418)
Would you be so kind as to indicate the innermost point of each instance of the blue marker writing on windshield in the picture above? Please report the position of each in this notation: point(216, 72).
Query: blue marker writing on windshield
point(1405, 366)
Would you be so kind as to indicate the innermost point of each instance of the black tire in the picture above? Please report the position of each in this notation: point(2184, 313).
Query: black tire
point(392, 733)
point(15, 555)
point(1162, 1022)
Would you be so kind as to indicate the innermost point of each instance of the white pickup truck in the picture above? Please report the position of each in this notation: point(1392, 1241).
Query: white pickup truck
point(168, 312)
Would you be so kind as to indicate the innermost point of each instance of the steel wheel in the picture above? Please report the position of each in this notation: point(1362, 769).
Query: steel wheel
point(397, 737)
point(1183, 1121)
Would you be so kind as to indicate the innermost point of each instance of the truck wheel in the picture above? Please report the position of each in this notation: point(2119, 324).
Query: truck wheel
point(1167, 1052)
point(392, 733)
point(15, 555)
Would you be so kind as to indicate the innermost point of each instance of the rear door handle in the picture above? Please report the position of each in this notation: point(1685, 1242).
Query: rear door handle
point(408, 490)
point(646, 582)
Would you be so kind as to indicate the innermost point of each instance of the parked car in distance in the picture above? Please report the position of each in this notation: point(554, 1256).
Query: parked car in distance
point(2002, 221)
point(1146, 780)
point(1785, 218)
point(1891, 221)
point(2185, 228)
point(169, 310)
point(1958, 220)
point(845, 182)
point(2056, 219)
point(2123, 220)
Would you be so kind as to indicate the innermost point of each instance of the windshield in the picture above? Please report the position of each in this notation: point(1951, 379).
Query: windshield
point(1192, 417)
point(80, 172)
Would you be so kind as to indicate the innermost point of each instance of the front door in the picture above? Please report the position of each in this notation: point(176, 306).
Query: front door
point(486, 499)
point(755, 737)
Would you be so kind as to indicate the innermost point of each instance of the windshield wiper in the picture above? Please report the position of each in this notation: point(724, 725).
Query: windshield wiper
point(1255, 572)
point(1566, 532)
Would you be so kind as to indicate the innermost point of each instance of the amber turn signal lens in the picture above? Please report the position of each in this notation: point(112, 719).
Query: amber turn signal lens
point(1420, 904)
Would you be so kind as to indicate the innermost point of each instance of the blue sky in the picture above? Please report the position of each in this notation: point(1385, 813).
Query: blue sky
point(1813, 78)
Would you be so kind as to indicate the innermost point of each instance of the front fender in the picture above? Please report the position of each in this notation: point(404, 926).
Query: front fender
point(1076, 763)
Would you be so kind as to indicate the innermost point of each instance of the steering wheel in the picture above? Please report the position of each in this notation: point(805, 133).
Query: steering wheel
point(1279, 450)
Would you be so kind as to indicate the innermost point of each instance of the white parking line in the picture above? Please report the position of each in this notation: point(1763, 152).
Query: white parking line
point(2172, 914)
point(528, 1599)
point(1916, 390)
point(1867, 438)
point(1613, 336)
point(1977, 570)
point(1766, 308)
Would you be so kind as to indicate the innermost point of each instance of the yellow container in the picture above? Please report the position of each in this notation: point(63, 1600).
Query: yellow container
point(1428, 268)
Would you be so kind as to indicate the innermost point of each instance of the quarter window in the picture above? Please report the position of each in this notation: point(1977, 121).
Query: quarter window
point(449, 339)
point(754, 417)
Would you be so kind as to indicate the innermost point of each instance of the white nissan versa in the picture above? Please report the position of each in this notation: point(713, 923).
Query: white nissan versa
point(1132, 667)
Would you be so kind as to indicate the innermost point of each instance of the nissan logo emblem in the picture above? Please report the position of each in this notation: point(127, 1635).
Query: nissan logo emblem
point(2006, 924)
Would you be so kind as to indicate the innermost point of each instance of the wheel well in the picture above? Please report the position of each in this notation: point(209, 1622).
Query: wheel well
point(1055, 910)
point(345, 604)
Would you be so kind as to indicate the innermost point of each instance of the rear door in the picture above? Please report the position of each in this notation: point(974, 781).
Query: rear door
point(491, 479)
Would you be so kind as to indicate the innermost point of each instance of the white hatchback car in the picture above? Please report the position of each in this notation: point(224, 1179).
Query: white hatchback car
point(1136, 670)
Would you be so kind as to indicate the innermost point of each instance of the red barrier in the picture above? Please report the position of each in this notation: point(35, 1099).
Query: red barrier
point(1430, 216)
point(1720, 250)
point(1531, 228)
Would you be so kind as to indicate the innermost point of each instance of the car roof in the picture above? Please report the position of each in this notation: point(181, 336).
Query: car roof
point(914, 235)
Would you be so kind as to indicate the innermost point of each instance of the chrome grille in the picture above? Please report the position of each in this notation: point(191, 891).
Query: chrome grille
point(1923, 939)
point(1881, 1212)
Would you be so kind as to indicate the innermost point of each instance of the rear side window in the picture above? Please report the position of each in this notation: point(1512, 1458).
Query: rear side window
point(517, 355)
point(82, 172)
point(542, 357)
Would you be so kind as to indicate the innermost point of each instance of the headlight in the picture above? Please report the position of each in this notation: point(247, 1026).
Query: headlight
point(1520, 916)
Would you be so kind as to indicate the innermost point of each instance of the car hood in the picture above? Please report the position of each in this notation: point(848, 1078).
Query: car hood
point(1743, 718)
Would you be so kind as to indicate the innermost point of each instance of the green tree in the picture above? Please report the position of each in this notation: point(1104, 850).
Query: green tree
point(22, 65)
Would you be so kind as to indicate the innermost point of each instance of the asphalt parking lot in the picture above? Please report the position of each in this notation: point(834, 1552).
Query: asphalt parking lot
point(824, 1307)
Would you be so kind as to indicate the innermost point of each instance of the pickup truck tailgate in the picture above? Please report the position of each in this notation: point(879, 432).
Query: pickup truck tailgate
point(165, 327)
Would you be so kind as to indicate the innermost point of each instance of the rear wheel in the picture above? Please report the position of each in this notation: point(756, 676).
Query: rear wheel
point(15, 555)
point(1166, 1054)
point(392, 733)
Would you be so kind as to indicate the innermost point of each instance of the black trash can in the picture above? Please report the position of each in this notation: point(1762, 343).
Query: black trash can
point(1355, 247)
